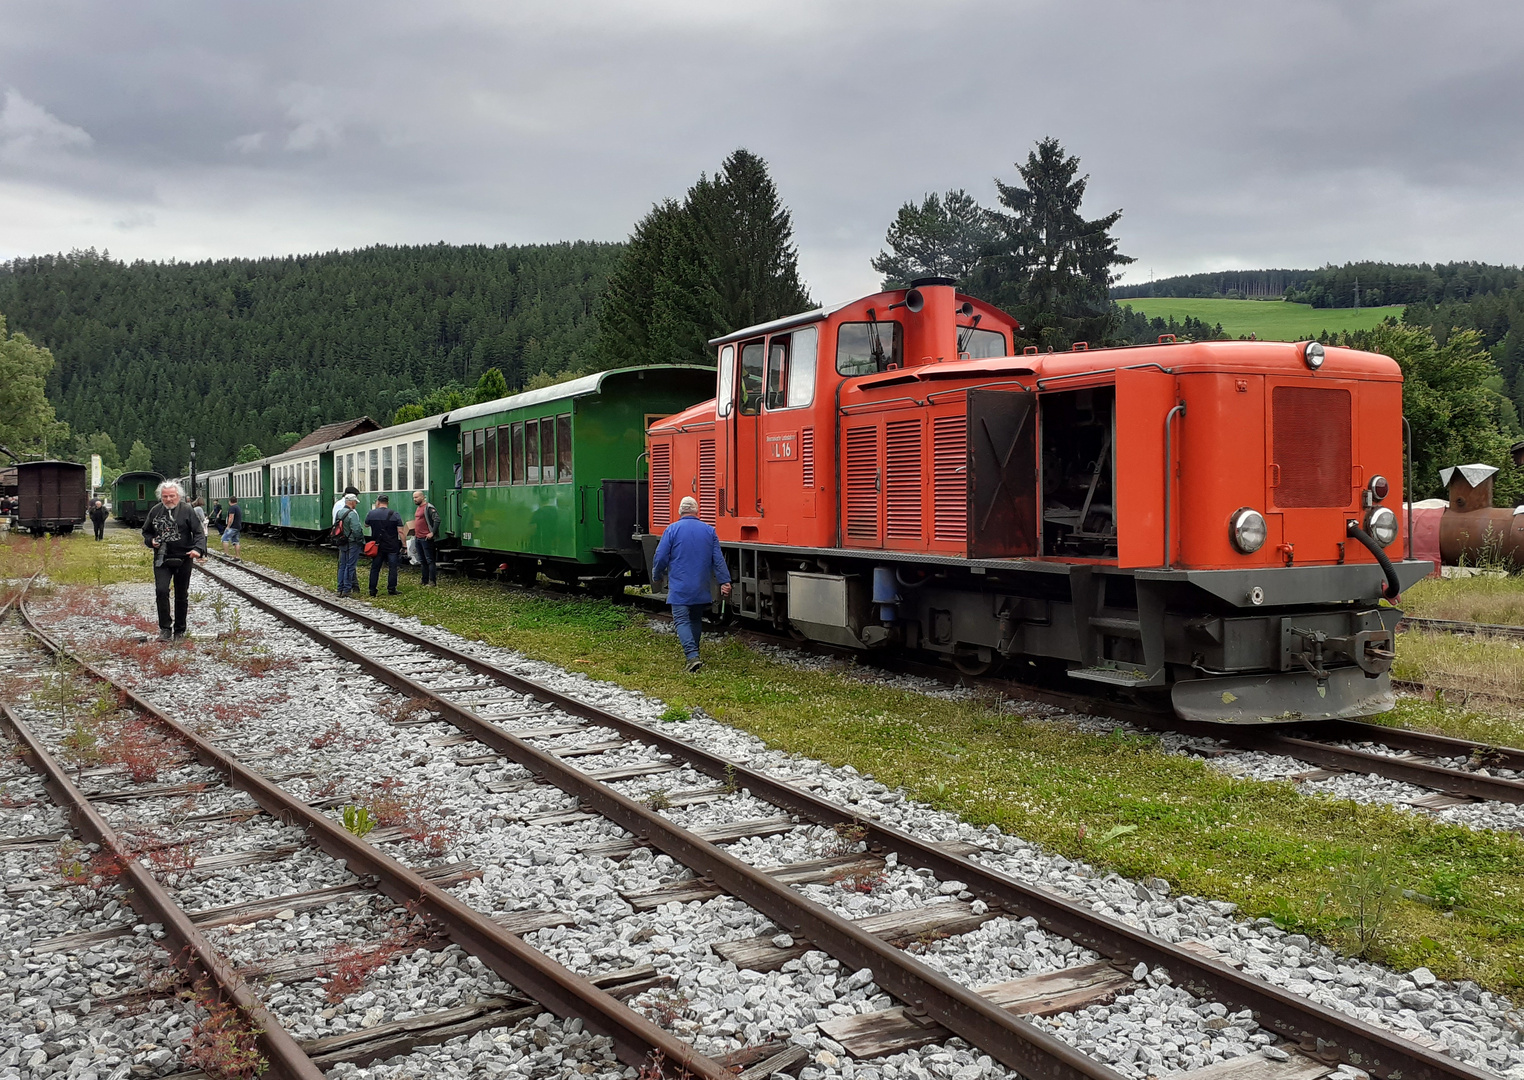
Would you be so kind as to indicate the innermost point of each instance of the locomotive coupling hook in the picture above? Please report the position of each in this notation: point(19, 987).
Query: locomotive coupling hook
point(1392, 587)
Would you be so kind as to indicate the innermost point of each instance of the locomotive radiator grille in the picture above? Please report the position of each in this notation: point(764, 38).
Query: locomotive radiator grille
point(661, 484)
point(706, 484)
point(902, 459)
point(1313, 451)
point(949, 479)
point(862, 483)
point(807, 457)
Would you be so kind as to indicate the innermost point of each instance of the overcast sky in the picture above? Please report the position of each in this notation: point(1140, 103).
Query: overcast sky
point(1230, 135)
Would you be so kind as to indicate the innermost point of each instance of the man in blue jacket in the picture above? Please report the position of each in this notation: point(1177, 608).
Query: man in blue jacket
point(689, 554)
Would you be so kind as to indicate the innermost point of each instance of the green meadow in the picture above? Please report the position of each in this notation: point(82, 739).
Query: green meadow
point(1271, 320)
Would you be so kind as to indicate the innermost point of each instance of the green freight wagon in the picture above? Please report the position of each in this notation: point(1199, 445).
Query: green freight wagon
point(549, 477)
point(133, 495)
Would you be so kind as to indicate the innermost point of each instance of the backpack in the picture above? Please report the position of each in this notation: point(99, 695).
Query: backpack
point(338, 526)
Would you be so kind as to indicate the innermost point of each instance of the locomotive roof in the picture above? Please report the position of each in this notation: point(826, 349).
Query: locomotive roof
point(813, 315)
point(583, 387)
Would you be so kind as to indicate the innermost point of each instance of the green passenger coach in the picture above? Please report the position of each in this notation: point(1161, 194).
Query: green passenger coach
point(133, 494)
point(548, 478)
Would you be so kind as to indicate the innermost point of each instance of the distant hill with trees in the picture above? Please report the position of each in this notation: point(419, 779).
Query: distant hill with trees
point(254, 351)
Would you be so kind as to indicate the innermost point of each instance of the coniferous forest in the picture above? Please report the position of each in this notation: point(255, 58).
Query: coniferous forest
point(241, 351)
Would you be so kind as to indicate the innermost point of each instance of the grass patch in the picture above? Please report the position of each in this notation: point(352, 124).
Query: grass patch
point(1115, 800)
point(1473, 599)
point(78, 559)
point(1268, 320)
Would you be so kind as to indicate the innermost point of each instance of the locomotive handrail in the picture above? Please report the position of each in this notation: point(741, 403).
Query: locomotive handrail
point(978, 386)
point(1407, 477)
point(1169, 471)
point(1104, 371)
point(886, 401)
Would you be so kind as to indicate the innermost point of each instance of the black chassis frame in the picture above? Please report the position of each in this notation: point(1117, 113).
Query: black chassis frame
point(1267, 644)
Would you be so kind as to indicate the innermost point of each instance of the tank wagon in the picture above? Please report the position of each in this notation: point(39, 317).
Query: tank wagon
point(133, 495)
point(52, 496)
point(1207, 525)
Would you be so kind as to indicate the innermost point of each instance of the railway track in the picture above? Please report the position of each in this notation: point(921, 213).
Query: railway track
point(931, 1007)
point(1455, 626)
point(412, 894)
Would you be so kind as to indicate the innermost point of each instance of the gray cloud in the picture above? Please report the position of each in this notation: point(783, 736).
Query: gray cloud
point(1230, 135)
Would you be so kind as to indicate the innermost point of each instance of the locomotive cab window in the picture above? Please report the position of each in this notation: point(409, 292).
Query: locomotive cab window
point(979, 344)
point(863, 348)
point(751, 378)
point(791, 369)
point(1079, 473)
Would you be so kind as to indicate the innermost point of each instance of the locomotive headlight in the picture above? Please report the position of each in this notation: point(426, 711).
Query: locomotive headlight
point(1312, 352)
point(1248, 531)
point(1381, 523)
point(1379, 488)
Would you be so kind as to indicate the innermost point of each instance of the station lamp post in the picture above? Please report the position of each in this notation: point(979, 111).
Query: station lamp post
point(193, 467)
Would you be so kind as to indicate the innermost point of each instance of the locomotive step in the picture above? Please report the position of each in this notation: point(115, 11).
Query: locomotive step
point(1112, 676)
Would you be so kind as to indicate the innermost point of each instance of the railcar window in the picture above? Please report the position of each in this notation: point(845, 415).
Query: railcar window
point(518, 453)
point(751, 378)
point(465, 456)
point(532, 451)
point(419, 476)
point(386, 468)
point(307, 478)
point(491, 459)
point(548, 450)
point(863, 348)
point(402, 469)
point(375, 471)
point(338, 472)
point(563, 449)
point(504, 457)
point(725, 383)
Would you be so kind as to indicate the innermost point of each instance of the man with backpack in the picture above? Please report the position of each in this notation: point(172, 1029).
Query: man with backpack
point(350, 534)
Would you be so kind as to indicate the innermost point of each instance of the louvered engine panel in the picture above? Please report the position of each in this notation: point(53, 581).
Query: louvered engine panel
point(706, 493)
point(949, 479)
point(807, 458)
point(1313, 446)
point(661, 484)
point(862, 483)
point(902, 480)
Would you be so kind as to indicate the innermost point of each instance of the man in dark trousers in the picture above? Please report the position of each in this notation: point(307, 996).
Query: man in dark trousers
point(98, 519)
point(425, 529)
point(689, 554)
point(177, 537)
point(385, 526)
point(232, 529)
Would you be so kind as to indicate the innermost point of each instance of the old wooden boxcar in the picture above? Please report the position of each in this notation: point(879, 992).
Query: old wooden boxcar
point(53, 495)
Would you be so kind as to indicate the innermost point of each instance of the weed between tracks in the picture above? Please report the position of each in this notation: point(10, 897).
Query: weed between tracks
point(1264, 846)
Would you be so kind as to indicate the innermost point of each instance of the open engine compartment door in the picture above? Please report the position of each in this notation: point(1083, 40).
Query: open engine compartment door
point(1002, 474)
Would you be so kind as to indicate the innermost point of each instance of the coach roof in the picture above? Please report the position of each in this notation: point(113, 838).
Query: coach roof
point(586, 386)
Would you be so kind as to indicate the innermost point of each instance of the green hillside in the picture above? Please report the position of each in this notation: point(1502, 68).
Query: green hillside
point(1273, 320)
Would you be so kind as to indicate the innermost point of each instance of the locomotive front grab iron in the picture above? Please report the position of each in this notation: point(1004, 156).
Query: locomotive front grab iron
point(1209, 523)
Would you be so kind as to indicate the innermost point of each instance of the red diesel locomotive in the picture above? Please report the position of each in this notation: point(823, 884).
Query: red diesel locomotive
point(1210, 522)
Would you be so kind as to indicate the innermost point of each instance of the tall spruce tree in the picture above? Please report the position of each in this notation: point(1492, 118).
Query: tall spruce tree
point(945, 236)
point(1050, 266)
point(721, 259)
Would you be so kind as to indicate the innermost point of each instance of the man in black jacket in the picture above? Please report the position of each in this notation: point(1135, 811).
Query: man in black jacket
point(176, 534)
point(98, 518)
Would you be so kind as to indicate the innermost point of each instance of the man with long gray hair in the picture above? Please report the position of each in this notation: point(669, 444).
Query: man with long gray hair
point(175, 533)
point(689, 553)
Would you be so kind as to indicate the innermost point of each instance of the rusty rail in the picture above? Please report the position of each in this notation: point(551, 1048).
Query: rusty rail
point(558, 989)
point(191, 951)
point(1325, 1031)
